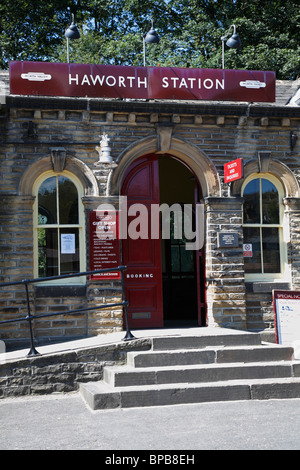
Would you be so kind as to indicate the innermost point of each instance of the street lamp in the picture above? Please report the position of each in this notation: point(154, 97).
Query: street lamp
point(233, 42)
point(71, 33)
point(150, 38)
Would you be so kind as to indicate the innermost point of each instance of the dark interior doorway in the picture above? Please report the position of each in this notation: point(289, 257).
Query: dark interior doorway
point(182, 270)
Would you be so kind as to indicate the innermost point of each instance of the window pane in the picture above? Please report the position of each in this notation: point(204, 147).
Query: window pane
point(251, 203)
point(69, 251)
point(270, 203)
point(68, 201)
point(187, 260)
point(175, 261)
point(47, 202)
point(271, 256)
point(252, 237)
point(47, 252)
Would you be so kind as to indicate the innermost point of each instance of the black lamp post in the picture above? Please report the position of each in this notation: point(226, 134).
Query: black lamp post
point(150, 38)
point(71, 33)
point(234, 42)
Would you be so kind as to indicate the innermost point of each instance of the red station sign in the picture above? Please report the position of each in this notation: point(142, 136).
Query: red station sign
point(233, 170)
point(116, 81)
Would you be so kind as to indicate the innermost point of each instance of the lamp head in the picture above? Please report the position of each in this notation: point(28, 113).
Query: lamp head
point(152, 37)
point(72, 31)
point(234, 42)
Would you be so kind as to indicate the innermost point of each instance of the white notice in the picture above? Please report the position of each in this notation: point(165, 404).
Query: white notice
point(67, 243)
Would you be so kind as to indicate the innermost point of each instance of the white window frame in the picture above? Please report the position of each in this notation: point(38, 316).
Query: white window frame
point(80, 280)
point(284, 274)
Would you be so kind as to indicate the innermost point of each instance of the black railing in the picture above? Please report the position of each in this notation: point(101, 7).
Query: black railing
point(29, 317)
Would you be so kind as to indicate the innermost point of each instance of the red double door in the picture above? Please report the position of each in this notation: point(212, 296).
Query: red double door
point(142, 255)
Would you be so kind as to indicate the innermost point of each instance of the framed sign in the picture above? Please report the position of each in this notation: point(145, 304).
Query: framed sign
point(286, 306)
point(104, 243)
point(119, 81)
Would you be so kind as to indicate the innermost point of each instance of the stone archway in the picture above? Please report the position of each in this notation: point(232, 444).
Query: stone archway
point(196, 160)
point(58, 162)
point(276, 168)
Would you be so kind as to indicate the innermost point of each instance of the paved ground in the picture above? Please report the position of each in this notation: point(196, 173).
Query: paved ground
point(64, 422)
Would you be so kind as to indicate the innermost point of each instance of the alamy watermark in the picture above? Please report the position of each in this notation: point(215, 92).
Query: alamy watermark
point(153, 221)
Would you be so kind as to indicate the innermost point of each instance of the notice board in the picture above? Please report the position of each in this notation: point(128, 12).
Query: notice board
point(104, 243)
point(287, 316)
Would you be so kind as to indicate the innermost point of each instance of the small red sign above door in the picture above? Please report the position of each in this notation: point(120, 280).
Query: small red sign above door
point(117, 81)
point(233, 170)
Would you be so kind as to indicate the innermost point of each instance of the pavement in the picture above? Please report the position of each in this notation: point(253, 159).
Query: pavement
point(64, 422)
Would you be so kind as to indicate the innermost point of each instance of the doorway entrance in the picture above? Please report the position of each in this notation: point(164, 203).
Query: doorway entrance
point(164, 280)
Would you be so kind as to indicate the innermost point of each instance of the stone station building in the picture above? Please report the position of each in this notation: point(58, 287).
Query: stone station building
point(162, 151)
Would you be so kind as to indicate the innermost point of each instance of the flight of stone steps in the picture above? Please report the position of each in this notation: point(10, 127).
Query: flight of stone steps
point(194, 369)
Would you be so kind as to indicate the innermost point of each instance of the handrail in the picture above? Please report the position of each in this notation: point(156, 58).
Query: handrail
point(29, 317)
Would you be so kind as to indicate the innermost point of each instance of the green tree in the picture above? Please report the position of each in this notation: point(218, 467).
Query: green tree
point(190, 32)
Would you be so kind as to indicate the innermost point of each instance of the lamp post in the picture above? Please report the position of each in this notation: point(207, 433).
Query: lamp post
point(150, 38)
point(233, 42)
point(71, 33)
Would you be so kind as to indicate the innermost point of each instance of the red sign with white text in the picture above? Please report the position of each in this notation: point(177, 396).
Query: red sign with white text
point(104, 243)
point(233, 170)
point(117, 81)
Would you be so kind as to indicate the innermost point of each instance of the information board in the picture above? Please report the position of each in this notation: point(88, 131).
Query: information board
point(104, 243)
point(287, 316)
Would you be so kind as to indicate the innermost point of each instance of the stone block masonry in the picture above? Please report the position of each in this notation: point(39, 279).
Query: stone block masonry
point(31, 126)
point(62, 372)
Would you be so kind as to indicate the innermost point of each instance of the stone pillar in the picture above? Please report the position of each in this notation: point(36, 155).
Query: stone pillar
point(225, 279)
point(292, 209)
point(101, 292)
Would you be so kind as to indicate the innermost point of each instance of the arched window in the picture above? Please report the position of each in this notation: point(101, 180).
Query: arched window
point(264, 252)
point(58, 226)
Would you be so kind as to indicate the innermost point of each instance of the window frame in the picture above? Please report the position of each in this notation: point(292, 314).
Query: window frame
point(281, 226)
point(80, 280)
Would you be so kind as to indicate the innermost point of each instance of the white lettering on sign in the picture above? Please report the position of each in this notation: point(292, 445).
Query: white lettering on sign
point(190, 83)
point(139, 276)
point(109, 80)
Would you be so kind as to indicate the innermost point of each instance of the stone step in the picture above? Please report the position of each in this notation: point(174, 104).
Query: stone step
point(126, 376)
point(203, 341)
point(100, 395)
point(210, 355)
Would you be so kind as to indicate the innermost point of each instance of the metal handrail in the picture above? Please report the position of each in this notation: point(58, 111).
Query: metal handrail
point(29, 317)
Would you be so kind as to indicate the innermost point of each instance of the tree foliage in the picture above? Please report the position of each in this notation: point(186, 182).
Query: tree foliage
point(190, 32)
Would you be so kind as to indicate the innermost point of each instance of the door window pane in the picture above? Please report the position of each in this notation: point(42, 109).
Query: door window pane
point(47, 252)
point(252, 237)
point(47, 202)
point(251, 203)
point(69, 251)
point(68, 201)
point(270, 203)
point(271, 257)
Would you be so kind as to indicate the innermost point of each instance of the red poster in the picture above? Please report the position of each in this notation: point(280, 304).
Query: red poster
point(233, 170)
point(117, 81)
point(104, 243)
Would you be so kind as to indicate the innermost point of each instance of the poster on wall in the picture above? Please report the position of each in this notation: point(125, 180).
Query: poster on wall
point(287, 317)
point(104, 243)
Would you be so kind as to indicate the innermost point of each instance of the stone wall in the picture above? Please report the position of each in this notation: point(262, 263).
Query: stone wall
point(30, 127)
point(64, 371)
